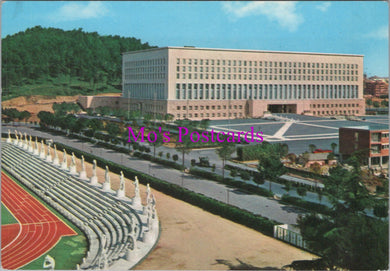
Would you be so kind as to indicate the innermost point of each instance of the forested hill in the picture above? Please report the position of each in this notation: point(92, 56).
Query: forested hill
point(39, 55)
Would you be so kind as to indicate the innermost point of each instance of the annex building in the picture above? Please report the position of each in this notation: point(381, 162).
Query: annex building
point(201, 83)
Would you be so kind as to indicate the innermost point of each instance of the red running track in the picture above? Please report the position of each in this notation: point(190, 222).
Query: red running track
point(38, 230)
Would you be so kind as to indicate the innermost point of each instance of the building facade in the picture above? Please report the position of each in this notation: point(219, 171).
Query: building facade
point(372, 141)
point(199, 83)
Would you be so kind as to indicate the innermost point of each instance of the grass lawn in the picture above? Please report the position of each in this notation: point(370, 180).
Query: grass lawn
point(68, 252)
point(6, 216)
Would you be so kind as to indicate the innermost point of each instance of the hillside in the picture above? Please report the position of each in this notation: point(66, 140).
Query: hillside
point(51, 61)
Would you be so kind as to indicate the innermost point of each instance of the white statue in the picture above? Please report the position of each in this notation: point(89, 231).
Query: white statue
point(94, 179)
point(72, 167)
point(42, 153)
point(121, 191)
point(64, 164)
point(16, 138)
point(137, 198)
point(30, 145)
point(83, 173)
point(122, 182)
point(9, 139)
point(36, 150)
point(21, 139)
point(56, 160)
point(107, 181)
point(48, 156)
point(25, 142)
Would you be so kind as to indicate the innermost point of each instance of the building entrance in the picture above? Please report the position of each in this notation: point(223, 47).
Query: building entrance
point(282, 108)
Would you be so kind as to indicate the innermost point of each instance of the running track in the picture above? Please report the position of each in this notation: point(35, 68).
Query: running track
point(38, 229)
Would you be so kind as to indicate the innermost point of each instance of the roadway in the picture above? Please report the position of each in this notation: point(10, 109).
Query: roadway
point(266, 207)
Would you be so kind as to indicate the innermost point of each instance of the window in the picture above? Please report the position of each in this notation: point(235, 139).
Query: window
point(375, 137)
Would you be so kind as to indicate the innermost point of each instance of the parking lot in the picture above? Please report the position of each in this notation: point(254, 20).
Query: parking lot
point(297, 131)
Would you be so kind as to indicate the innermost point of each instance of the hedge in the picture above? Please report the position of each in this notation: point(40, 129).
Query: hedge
point(246, 153)
point(161, 161)
point(311, 206)
point(229, 181)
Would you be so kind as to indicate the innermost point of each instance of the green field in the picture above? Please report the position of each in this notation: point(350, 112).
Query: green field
point(68, 252)
point(6, 216)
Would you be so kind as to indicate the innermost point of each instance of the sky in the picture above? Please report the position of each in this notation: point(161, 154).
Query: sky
point(318, 26)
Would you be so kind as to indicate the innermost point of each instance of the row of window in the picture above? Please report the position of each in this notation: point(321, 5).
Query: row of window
point(146, 62)
point(130, 76)
point(264, 91)
point(333, 105)
point(145, 91)
point(207, 107)
point(255, 63)
point(218, 76)
point(336, 112)
point(255, 70)
point(207, 115)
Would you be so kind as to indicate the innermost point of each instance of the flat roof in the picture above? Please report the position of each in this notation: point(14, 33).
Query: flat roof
point(371, 127)
point(238, 50)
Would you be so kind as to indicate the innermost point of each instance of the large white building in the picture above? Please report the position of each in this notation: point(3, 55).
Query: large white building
point(198, 83)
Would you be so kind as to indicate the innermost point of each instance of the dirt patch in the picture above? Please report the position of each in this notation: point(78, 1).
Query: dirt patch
point(36, 103)
point(194, 239)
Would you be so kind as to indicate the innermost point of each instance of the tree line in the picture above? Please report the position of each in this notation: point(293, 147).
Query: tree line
point(39, 52)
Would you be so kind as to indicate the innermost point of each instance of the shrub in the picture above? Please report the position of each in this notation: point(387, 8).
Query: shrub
point(312, 206)
point(233, 173)
point(193, 162)
point(160, 154)
point(213, 167)
point(245, 175)
point(168, 155)
point(175, 157)
point(250, 188)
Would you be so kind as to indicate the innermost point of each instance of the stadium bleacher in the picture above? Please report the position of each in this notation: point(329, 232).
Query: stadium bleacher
point(116, 228)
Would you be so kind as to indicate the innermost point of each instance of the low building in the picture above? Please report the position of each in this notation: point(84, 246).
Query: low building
point(371, 142)
point(321, 158)
point(376, 88)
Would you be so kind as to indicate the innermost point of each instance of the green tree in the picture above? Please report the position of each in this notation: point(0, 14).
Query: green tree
point(287, 187)
point(369, 102)
point(347, 238)
point(184, 146)
point(376, 104)
point(113, 130)
point(333, 146)
point(301, 190)
point(385, 103)
point(224, 152)
point(270, 167)
point(157, 143)
point(312, 147)
point(175, 157)
point(24, 115)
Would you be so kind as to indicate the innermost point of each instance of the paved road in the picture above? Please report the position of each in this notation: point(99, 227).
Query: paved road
point(266, 207)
